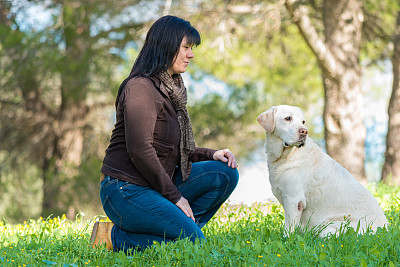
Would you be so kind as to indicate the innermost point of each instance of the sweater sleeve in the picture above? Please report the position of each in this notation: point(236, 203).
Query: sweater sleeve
point(140, 115)
point(201, 154)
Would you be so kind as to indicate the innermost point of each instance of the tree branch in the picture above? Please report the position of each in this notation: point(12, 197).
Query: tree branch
point(299, 15)
point(123, 28)
point(244, 9)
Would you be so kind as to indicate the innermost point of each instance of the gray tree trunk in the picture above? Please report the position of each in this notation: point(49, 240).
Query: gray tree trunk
point(391, 167)
point(337, 53)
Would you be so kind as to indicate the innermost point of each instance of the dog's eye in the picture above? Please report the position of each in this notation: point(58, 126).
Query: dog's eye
point(304, 122)
point(288, 118)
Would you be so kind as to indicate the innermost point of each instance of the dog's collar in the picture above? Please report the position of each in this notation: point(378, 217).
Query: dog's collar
point(285, 145)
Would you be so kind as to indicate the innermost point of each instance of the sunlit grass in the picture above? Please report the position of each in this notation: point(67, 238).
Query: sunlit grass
point(238, 235)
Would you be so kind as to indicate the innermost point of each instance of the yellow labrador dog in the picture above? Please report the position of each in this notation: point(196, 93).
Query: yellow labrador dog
point(312, 187)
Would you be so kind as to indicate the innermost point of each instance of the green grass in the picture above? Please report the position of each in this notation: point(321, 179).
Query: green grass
point(237, 236)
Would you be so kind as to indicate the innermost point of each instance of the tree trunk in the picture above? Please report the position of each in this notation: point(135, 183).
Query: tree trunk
point(338, 56)
point(65, 154)
point(63, 158)
point(343, 113)
point(391, 167)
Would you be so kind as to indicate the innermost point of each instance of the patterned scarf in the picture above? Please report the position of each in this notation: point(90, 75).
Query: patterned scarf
point(173, 87)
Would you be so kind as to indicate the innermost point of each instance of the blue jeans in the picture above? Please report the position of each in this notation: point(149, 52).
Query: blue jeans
point(142, 215)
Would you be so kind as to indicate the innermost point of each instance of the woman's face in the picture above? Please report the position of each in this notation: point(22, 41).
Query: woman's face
point(182, 58)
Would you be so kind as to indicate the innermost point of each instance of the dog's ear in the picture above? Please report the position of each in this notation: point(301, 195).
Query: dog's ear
point(267, 119)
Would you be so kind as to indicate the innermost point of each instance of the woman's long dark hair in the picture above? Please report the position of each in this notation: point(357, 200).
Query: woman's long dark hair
point(162, 43)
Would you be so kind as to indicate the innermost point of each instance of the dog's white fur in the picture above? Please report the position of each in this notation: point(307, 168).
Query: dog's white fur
point(311, 186)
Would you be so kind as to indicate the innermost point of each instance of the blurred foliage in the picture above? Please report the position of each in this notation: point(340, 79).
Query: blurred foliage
point(21, 190)
point(378, 29)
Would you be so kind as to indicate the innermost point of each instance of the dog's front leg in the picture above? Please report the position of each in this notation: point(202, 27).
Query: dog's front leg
point(293, 206)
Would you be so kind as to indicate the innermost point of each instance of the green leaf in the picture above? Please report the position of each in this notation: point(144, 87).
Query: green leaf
point(49, 262)
point(237, 246)
point(322, 256)
point(13, 238)
point(280, 245)
point(363, 263)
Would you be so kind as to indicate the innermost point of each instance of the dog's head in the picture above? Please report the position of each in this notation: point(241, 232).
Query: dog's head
point(286, 123)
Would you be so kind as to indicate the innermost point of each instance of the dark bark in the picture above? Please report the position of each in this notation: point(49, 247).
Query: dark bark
point(68, 142)
point(391, 166)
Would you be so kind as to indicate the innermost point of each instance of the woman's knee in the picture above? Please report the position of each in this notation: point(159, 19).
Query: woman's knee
point(232, 174)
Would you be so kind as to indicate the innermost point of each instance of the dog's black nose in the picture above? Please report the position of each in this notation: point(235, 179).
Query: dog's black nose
point(303, 131)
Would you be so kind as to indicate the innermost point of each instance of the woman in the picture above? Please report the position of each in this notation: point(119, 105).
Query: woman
point(156, 185)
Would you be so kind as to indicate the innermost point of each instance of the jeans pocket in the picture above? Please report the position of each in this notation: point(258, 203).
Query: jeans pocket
point(111, 213)
point(107, 182)
point(129, 190)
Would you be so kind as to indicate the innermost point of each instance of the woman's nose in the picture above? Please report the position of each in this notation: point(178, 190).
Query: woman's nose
point(190, 53)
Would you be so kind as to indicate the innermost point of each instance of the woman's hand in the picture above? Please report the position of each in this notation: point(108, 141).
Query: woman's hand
point(225, 155)
point(183, 204)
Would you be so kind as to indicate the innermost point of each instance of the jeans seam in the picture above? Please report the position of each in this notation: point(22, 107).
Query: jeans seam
point(189, 181)
point(113, 241)
point(107, 200)
point(222, 196)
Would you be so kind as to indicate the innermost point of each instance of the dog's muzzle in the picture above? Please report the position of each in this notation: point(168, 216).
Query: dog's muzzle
point(303, 136)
